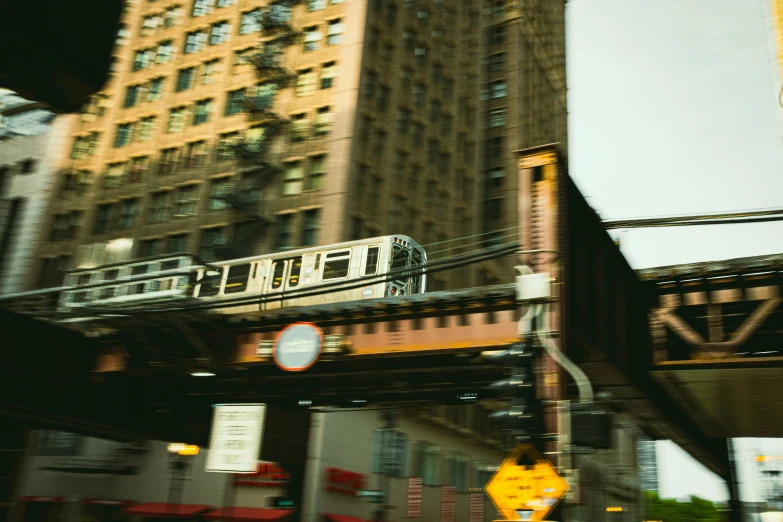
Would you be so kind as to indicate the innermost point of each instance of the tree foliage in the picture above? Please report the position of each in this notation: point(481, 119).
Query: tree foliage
point(670, 510)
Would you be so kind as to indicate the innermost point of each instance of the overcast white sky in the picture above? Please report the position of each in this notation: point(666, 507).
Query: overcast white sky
point(673, 110)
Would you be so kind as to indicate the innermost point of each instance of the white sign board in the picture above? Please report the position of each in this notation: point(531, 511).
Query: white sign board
point(235, 439)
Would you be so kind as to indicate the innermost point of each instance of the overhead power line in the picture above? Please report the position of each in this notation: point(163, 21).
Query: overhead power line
point(728, 218)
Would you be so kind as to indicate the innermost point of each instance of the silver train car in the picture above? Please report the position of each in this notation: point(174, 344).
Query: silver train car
point(281, 276)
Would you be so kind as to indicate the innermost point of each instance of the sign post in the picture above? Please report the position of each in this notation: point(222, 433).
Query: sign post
point(235, 439)
point(526, 486)
point(298, 347)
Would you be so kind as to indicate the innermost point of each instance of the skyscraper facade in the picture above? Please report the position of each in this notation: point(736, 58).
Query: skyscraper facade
point(648, 465)
point(238, 127)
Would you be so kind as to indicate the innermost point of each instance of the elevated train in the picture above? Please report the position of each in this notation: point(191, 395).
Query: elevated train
point(280, 275)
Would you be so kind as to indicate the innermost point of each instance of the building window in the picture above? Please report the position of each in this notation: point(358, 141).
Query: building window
point(203, 108)
point(142, 59)
point(495, 177)
point(138, 167)
point(403, 120)
point(498, 89)
point(497, 61)
point(177, 243)
point(155, 89)
point(103, 218)
point(493, 213)
point(123, 134)
point(85, 145)
point(369, 81)
point(234, 102)
point(294, 179)
point(146, 128)
point(497, 117)
point(196, 154)
point(227, 144)
point(494, 148)
point(284, 224)
point(242, 59)
point(299, 127)
point(226, 3)
point(115, 174)
point(335, 34)
point(66, 226)
point(209, 70)
point(150, 247)
point(316, 5)
point(220, 188)
point(176, 119)
point(305, 82)
point(250, 22)
point(202, 7)
point(419, 94)
point(323, 121)
point(185, 79)
point(390, 453)
point(149, 24)
point(131, 96)
point(172, 15)
point(129, 210)
point(310, 226)
point(497, 34)
point(421, 55)
point(195, 41)
point(220, 33)
point(458, 472)
point(168, 160)
point(187, 199)
point(426, 460)
point(58, 444)
point(328, 74)
point(159, 207)
point(165, 52)
point(212, 240)
point(317, 172)
point(312, 39)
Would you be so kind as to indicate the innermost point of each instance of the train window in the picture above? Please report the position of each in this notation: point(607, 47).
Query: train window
point(317, 262)
point(110, 275)
point(277, 274)
point(293, 275)
point(80, 297)
point(371, 265)
point(336, 265)
point(236, 280)
point(169, 265)
point(399, 257)
point(135, 271)
point(84, 279)
point(210, 285)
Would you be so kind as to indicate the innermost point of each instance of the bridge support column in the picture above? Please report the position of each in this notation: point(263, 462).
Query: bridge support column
point(735, 503)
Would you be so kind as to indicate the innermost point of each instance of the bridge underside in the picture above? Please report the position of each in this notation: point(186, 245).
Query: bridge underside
point(728, 398)
point(718, 343)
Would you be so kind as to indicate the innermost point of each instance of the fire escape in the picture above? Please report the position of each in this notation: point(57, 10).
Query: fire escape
point(260, 166)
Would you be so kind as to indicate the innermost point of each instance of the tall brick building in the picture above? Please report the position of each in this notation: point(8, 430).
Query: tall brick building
point(372, 117)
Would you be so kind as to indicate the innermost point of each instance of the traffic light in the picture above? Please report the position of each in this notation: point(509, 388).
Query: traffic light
point(524, 416)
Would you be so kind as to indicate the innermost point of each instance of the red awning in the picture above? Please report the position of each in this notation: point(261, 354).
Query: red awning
point(163, 510)
point(107, 502)
point(245, 514)
point(41, 499)
point(343, 518)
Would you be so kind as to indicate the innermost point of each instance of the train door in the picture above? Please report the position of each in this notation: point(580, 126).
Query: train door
point(285, 276)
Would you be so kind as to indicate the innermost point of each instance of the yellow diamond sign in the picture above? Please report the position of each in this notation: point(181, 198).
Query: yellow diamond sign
point(526, 486)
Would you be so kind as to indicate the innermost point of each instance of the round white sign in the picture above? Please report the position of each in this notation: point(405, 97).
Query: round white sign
point(298, 347)
point(367, 292)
